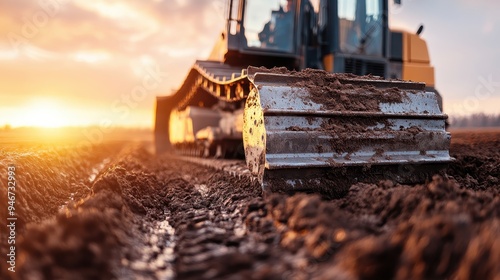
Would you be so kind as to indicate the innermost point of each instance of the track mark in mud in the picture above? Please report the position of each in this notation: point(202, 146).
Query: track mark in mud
point(202, 189)
point(209, 235)
point(158, 256)
point(98, 169)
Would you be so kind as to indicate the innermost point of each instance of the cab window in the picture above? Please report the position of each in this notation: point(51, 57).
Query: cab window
point(361, 26)
point(270, 24)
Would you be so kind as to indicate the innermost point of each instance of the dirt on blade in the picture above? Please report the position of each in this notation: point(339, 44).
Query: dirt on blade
point(120, 212)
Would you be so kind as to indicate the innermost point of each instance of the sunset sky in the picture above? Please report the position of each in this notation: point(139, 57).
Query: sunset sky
point(80, 62)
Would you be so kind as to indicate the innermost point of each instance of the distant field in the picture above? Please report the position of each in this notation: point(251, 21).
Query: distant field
point(69, 135)
point(474, 135)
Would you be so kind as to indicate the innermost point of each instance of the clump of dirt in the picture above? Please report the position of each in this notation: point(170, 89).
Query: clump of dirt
point(275, 70)
point(81, 243)
point(312, 225)
point(477, 165)
point(336, 96)
point(481, 258)
point(424, 249)
point(388, 231)
point(332, 183)
point(344, 91)
point(348, 92)
point(348, 135)
point(354, 125)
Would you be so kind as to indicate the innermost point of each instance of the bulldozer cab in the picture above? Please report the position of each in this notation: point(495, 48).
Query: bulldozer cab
point(354, 36)
point(269, 33)
point(302, 34)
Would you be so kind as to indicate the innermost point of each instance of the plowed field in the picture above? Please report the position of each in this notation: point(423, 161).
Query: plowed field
point(117, 211)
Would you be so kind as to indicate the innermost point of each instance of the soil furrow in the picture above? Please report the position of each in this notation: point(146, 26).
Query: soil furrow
point(149, 217)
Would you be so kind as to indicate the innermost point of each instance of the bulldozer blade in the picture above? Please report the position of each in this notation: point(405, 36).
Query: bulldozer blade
point(323, 132)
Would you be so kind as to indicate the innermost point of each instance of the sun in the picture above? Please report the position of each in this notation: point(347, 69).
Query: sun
point(44, 113)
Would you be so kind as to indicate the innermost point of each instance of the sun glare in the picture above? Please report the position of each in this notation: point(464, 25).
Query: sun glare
point(44, 113)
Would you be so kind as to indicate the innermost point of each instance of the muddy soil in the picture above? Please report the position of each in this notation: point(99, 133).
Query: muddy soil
point(127, 214)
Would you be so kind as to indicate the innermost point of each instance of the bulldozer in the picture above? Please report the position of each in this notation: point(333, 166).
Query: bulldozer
point(315, 95)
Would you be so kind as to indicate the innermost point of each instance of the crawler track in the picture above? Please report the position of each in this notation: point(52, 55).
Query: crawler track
point(303, 130)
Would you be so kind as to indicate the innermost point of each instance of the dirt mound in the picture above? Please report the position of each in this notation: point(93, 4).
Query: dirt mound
point(52, 176)
point(79, 244)
point(48, 177)
point(387, 231)
point(88, 239)
point(477, 166)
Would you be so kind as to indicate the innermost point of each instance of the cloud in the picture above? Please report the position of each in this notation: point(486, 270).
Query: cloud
point(119, 27)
